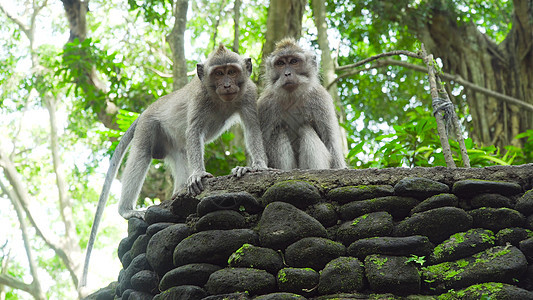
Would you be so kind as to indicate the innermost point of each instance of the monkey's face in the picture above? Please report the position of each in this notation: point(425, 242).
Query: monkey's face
point(227, 80)
point(289, 72)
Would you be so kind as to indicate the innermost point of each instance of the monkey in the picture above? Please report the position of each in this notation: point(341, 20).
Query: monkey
point(176, 127)
point(296, 113)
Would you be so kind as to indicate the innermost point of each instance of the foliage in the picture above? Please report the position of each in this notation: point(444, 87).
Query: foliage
point(416, 143)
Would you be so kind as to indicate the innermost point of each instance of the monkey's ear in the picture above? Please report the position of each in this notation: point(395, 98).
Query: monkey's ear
point(200, 71)
point(248, 63)
point(313, 59)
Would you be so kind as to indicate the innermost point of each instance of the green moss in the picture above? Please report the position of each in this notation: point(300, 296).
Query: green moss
point(444, 271)
point(282, 276)
point(358, 219)
point(485, 290)
point(236, 256)
point(378, 261)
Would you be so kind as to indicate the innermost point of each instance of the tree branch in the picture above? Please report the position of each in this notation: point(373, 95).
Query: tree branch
point(35, 287)
point(447, 76)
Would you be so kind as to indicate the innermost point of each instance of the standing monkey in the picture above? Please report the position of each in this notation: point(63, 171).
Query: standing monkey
point(176, 127)
point(296, 114)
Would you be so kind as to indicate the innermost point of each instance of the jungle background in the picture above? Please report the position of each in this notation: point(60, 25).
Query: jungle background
point(74, 74)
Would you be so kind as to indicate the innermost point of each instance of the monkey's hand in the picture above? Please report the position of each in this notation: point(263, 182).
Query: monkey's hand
point(194, 183)
point(240, 171)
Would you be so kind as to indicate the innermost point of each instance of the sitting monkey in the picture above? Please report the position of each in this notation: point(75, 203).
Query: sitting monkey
point(296, 113)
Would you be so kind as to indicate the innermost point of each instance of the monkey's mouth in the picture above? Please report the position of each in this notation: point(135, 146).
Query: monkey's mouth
point(228, 96)
point(290, 86)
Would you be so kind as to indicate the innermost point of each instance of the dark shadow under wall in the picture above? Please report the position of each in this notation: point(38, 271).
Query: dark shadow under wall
point(420, 233)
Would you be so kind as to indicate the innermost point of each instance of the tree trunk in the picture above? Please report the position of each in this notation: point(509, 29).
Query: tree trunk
point(284, 20)
point(236, 31)
point(504, 67)
point(328, 65)
point(76, 12)
point(176, 40)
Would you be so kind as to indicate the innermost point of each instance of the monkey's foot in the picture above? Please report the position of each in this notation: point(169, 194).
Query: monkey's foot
point(133, 214)
point(194, 182)
point(240, 171)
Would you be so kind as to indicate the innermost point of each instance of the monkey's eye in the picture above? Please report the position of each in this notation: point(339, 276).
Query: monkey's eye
point(294, 61)
point(280, 63)
point(219, 73)
point(232, 72)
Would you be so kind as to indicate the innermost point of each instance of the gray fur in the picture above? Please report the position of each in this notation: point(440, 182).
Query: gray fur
point(296, 114)
point(176, 127)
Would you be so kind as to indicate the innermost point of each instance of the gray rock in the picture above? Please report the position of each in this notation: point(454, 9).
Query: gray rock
point(230, 280)
point(496, 218)
point(463, 244)
point(138, 264)
point(436, 201)
point(296, 192)
point(497, 264)
point(136, 227)
point(213, 246)
point(192, 274)
point(221, 219)
point(297, 280)
point(145, 281)
point(183, 205)
point(139, 246)
point(437, 224)
point(280, 296)
point(136, 295)
point(240, 201)
point(398, 207)
point(342, 275)
point(365, 226)
point(158, 214)
point(125, 246)
point(126, 259)
point(282, 224)
point(490, 200)
point(526, 246)
point(183, 292)
point(313, 252)
point(250, 256)
point(525, 203)
point(161, 247)
point(324, 213)
point(155, 228)
point(420, 188)
point(402, 246)
point(392, 274)
point(512, 236)
point(229, 296)
point(471, 187)
point(345, 194)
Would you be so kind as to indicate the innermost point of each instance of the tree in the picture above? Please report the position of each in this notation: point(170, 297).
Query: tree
point(451, 30)
point(284, 20)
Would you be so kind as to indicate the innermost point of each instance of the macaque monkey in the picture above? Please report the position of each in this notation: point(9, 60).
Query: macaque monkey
point(296, 114)
point(176, 127)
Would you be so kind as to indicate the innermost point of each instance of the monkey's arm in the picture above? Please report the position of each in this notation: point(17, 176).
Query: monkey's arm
point(253, 139)
point(195, 156)
point(329, 132)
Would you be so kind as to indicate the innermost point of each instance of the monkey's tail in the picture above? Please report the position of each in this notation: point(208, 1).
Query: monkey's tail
point(114, 164)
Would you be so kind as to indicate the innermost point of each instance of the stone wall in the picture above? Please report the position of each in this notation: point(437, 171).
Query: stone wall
point(421, 233)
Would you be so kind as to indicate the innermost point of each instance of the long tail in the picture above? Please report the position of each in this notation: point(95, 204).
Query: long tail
point(114, 164)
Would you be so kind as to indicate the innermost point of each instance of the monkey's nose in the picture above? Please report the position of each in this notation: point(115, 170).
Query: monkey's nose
point(287, 73)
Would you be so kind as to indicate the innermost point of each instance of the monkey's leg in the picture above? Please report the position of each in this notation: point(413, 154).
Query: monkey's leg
point(280, 152)
point(132, 181)
point(179, 166)
point(313, 153)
